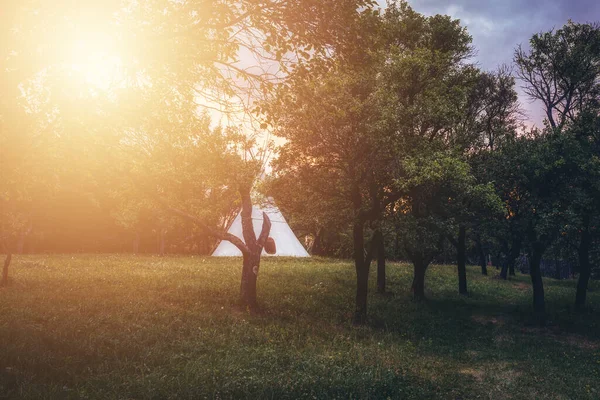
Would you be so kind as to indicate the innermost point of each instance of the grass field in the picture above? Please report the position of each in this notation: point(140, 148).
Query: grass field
point(126, 327)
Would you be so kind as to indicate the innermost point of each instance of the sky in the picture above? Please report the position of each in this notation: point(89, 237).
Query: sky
point(498, 26)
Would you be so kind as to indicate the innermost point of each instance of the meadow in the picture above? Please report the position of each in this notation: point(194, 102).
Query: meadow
point(143, 327)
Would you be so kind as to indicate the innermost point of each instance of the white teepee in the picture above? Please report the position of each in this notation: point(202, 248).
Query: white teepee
point(286, 242)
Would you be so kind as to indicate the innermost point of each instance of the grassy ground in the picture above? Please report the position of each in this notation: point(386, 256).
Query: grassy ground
point(106, 326)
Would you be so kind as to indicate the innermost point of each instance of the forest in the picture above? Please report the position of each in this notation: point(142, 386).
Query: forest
point(143, 128)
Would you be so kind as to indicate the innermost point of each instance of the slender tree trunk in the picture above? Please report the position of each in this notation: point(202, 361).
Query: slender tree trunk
point(584, 268)
point(380, 263)
point(362, 274)
point(535, 259)
point(136, 243)
point(250, 268)
point(317, 247)
point(362, 288)
point(23, 238)
point(515, 251)
point(21, 243)
point(7, 260)
point(461, 260)
point(418, 286)
point(481, 253)
point(505, 264)
point(504, 271)
point(161, 242)
point(501, 256)
point(557, 273)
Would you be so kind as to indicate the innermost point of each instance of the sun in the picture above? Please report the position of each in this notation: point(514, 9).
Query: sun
point(93, 59)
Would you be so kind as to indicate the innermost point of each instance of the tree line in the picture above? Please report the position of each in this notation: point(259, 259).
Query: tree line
point(410, 139)
point(393, 142)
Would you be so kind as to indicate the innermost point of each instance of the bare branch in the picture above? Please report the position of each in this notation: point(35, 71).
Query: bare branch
point(264, 233)
point(237, 242)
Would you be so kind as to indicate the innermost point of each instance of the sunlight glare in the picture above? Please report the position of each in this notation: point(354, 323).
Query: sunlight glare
point(95, 61)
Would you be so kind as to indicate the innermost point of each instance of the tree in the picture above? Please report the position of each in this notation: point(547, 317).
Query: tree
point(471, 208)
point(198, 174)
point(506, 230)
point(212, 35)
point(330, 142)
point(435, 103)
point(251, 246)
point(537, 201)
point(379, 111)
point(440, 191)
point(333, 145)
point(562, 70)
point(581, 173)
point(491, 114)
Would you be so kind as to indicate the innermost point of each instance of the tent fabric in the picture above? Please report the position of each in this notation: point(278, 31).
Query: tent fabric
point(286, 241)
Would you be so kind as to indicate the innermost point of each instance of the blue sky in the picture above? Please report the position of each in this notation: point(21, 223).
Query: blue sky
point(498, 27)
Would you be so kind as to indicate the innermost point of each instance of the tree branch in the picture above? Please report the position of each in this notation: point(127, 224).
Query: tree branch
point(237, 242)
point(264, 233)
point(377, 236)
point(452, 241)
point(246, 215)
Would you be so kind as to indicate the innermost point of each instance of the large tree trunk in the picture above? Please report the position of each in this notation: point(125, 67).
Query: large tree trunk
point(481, 254)
point(251, 258)
point(380, 263)
point(362, 274)
point(535, 259)
point(250, 268)
point(418, 286)
point(584, 267)
point(461, 260)
point(4, 280)
point(252, 254)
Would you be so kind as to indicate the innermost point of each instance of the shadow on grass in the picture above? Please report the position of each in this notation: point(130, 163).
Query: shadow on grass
point(451, 322)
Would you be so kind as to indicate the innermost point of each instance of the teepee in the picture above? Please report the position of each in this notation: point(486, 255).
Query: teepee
point(286, 242)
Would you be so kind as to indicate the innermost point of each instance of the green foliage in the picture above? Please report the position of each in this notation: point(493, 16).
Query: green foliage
point(441, 194)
